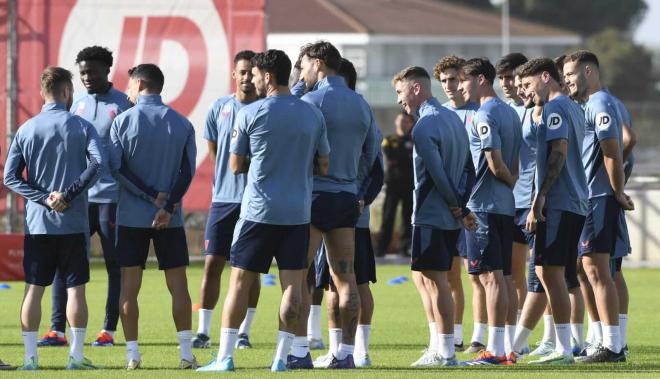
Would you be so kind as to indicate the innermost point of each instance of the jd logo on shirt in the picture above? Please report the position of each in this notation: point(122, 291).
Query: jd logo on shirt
point(554, 121)
point(603, 121)
point(234, 133)
point(484, 130)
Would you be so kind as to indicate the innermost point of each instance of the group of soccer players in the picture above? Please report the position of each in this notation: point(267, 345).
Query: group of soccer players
point(296, 167)
point(544, 173)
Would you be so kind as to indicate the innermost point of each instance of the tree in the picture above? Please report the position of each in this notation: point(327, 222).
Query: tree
point(584, 16)
point(626, 68)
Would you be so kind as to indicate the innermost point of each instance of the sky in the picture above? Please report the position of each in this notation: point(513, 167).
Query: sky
point(648, 32)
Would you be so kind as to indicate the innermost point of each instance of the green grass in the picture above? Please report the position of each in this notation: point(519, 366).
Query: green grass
point(399, 334)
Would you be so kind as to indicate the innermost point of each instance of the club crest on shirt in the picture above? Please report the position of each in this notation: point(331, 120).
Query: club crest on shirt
point(80, 109)
point(484, 130)
point(112, 113)
point(226, 110)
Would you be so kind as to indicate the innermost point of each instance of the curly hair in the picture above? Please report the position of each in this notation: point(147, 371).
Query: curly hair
point(276, 62)
point(95, 53)
point(447, 63)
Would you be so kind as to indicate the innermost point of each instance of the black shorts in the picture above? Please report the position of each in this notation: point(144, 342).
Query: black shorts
point(220, 226)
point(534, 283)
point(520, 233)
point(364, 263)
point(605, 229)
point(433, 249)
point(489, 247)
point(46, 253)
point(334, 210)
point(256, 245)
point(557, 238)
point(170, 246)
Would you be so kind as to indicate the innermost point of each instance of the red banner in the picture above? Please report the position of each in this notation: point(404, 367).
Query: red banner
point(193, 41)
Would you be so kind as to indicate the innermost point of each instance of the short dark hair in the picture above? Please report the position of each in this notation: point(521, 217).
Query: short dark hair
point(582, 56)
point(537, 66)
point(324, 51)
point(347, 71)
point(479, 66)
point(53, 78)
point(559, 62)
point(95, 53)
point(509, 62)
point(447, 63)
point(275, 62)
point(244, 55)
point(409, 73)
point(150, 74)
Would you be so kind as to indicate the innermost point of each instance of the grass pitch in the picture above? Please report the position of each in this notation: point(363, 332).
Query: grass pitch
point(399, 333)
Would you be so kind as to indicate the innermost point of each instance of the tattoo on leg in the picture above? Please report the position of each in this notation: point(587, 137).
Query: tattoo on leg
point(345, 267)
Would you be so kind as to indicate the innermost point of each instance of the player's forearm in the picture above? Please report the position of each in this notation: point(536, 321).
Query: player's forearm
point(554, 165)
point(614, 168)
point(183, 180)
point(88, 177)
point(502, 173)
point(13, 179)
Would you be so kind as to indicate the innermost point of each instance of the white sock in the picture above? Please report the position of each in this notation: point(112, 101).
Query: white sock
point(185, 346)
point(300, 347)
point(612, 338)
point(132, 351)
point(228, 338)
point(509, 337)
point(577, 331)
point(496, 340)
point(623, 326)
point(59, 334)
point(548, 329)
point(205, 317)
point(344, 351)
point(77, 342)
point(284, 342)
point(334, 338)
point(362, 340)
point(314, 323)
point(246, 325)
point(520, 339)
point(433, 336)
point(446, 345)
point(563, 345)
point(30, 344)
point(479, 333)
point(110, 332)
point(598, 332)
point(590, 331)
point(458, 334)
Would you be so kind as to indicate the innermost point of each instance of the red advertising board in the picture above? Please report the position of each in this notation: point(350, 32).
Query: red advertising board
point(193, 41)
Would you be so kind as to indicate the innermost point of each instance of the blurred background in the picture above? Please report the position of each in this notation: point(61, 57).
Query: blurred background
point(195, 40)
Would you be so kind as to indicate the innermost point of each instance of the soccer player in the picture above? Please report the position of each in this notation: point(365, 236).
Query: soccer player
point(276, 206)
point(56, 219)
point(447, 71)
point(560, 202)
point(603, 161)
point(153, 157)
point(440, 155)
point(364, 264)
point(226, 202)
point(353, 139)
point(100, 105)
point(522, 192)
point(494, 143)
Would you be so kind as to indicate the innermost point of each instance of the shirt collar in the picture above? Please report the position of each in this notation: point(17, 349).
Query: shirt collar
point(53, 107)
point(428, 106)
point(149, 99)
point(334, 80)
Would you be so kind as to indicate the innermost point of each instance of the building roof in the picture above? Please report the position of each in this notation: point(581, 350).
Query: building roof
point(396, 17)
